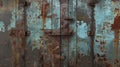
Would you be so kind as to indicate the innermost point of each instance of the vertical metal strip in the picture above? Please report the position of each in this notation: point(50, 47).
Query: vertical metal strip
point(25, 29)
point(92, 37)
point(76, 37)
point(64, 39)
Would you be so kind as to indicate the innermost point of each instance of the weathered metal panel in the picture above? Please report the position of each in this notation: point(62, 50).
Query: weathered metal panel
point(14, 38)
point(106, 45)
point(84, 41)
point(72, 39)
point(45, 38)
point(59, 33)
point(5, 46)
point(64, 27)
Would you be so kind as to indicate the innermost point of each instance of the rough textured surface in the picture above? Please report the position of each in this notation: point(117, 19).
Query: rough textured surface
point(59, 33)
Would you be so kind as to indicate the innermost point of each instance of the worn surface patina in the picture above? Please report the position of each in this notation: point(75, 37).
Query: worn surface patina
point(59, 33)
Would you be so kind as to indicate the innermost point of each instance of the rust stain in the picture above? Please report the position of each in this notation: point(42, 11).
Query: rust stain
point(44, 11)
point(65, 29)
point(116, 24)
point(116, 44)
point(102, 60)
point(53, 47)
point(52, 50)
point(18, 38)
point(45, 8)
point(1, 3)
point(116, 61)
point(53, 43)
point(116, 28)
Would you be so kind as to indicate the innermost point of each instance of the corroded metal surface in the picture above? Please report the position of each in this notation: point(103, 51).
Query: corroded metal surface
point(59, 33)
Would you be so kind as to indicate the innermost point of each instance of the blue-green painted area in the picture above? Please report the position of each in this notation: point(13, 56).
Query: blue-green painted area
point(34, 25)
point(83, 15)
point(55, 9)
point(72, 41)
point(83, 45)
point(2, 26)
point(104, 18)
point(104, 14)
point(17, 15)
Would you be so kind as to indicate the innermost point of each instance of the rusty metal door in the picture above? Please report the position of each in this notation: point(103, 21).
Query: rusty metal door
point(59, 33)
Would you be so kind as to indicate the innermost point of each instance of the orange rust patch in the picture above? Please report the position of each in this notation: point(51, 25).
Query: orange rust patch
point(44, 11)
point(116, 27)
point(116, 24)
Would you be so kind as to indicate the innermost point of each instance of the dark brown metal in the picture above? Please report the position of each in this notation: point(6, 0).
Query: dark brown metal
point(1, 3)
point(91, 33)
point(19, 32)
point(92, 4)
point(116, 24)
point(57, 32)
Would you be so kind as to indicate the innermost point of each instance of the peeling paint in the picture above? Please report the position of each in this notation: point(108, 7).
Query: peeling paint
point(34, 25)
point(2, 26)
point(70, 33)
point(82, 30)
point(16, 16)
point(104, 17)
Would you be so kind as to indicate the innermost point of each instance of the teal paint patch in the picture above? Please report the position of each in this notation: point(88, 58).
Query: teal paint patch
point(34, 25)
point(55, 9)
point(34, 22)
point(17, 15)
point(104, 17)
point(83, 17)
point(83, 45)
point(82, 30)
point(2, 26)
point(83, 11)
point(104, 36)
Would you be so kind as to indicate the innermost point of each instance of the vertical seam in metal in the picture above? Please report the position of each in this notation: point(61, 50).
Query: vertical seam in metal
point(92, 37)
point(25, 28)
point(76, 35)
point(68, 30)
point(60, 34)
point(51, 7)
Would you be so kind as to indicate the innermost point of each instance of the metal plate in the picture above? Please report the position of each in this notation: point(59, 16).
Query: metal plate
point(59, 33)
